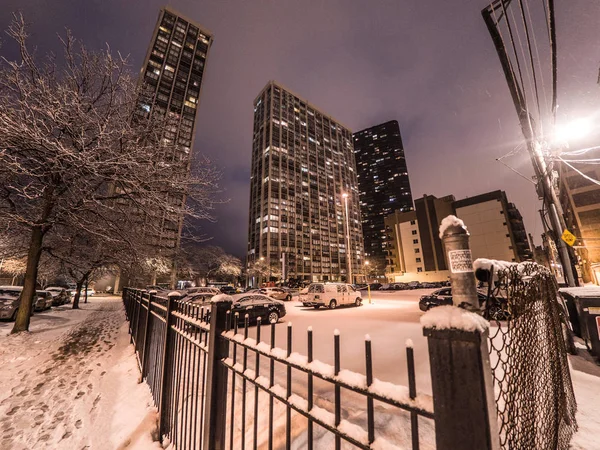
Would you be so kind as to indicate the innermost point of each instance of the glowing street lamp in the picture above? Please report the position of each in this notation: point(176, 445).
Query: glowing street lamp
point(573, 131)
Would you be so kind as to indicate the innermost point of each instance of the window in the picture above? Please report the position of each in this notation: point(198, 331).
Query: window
point(418, 260)
point(415, 241)
point(419, 269)
point(414, 232)
point(413, 222)
point(417, 250)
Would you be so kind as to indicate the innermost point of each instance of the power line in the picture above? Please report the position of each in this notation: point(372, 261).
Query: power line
point(580, 172)
point(535, 85)
point(515, 171)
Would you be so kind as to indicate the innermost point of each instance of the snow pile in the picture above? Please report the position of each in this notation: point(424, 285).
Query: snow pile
point(451, 317)
point(487, 264)
point(451, 221)
point(588, 419)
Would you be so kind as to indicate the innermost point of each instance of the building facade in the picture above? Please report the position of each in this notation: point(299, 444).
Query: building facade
point(172, 76)
point(383, 183)
point(580, 199)
point(303, 191)
point(496, 227)
point(415, 251)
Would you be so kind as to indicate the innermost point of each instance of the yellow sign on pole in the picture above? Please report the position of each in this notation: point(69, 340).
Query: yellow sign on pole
point(568, 237)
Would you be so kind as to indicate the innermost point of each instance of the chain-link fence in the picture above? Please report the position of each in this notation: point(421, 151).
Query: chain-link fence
point(534, 394)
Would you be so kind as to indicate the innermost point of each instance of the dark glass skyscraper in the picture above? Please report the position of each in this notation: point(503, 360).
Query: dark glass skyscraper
point(172, 75)
point(382, 183)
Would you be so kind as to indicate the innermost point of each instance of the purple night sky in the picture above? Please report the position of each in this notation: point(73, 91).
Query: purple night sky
point(431, 65)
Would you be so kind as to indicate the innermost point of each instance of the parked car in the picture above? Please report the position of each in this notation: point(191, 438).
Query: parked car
point(331, 295)
point(442, 297)
point(229, 290)
point(199, 298)
point(203, 290)
point(375, 286)
point(427, 285)
point(59, 295)
point(155, 287)
point(44, 300)
point(10, 301)
point(257, 305)
point(277, 293)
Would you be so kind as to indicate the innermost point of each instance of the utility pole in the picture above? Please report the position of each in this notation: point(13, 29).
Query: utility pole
point(543, 174)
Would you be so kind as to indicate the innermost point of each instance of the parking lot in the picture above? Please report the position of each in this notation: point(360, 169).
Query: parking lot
point(391, 319)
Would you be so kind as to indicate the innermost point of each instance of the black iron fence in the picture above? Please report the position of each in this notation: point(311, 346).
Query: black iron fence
point(217, 387)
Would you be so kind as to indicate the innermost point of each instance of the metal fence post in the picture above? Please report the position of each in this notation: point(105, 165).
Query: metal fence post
point(216, 378)
point(166, 364)
point(463, 393)
point(455, 238)
point(146, 341)
point(461, 375)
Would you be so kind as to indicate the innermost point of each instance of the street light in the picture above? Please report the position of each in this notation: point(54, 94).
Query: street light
point(348, 249)
point(572, 131)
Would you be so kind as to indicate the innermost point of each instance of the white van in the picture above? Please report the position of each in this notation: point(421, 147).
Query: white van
point(330, 295)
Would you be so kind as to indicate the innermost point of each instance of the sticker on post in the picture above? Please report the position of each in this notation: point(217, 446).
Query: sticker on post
point(460, 261)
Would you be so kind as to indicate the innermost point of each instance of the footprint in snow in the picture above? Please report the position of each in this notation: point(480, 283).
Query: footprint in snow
point(79, 395)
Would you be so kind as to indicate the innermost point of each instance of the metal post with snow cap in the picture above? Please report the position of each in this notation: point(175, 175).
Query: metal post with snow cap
point(455, 237)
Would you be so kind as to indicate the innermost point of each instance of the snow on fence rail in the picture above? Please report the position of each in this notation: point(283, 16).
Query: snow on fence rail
point(367, 388)
point(173, 341)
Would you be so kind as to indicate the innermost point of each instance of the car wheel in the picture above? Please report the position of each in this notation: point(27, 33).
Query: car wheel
point(14, 316)
point(289, 297)
point(357, 302)
point(332, 304)
point(273, 317)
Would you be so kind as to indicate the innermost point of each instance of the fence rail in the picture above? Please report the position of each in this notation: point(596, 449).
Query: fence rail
point(261, 383)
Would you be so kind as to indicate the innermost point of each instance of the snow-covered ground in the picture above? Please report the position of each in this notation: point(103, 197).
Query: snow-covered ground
point(72, 382)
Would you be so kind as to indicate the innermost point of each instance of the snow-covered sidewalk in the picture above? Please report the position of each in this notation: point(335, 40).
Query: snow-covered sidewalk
point(72, 382)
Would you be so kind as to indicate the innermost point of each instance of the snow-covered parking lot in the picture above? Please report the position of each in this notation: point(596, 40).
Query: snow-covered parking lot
point(390, 320)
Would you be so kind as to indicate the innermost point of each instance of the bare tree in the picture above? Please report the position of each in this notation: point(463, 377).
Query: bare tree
point(262, 270)
point(201, 262)
point(78, 153)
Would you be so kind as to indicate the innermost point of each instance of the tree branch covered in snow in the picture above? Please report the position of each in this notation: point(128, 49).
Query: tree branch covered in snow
point(77, 152)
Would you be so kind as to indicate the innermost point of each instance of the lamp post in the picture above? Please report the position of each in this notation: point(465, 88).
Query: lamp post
point(348, 249)
point(367, 280)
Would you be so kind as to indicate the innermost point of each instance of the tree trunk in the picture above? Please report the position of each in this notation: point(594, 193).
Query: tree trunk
point(86, 289)
point(77, 294)
point(33, 259)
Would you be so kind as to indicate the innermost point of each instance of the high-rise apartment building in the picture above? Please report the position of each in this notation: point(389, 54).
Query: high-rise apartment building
point(383, 183)
point(172, 78)
point(304, 215)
